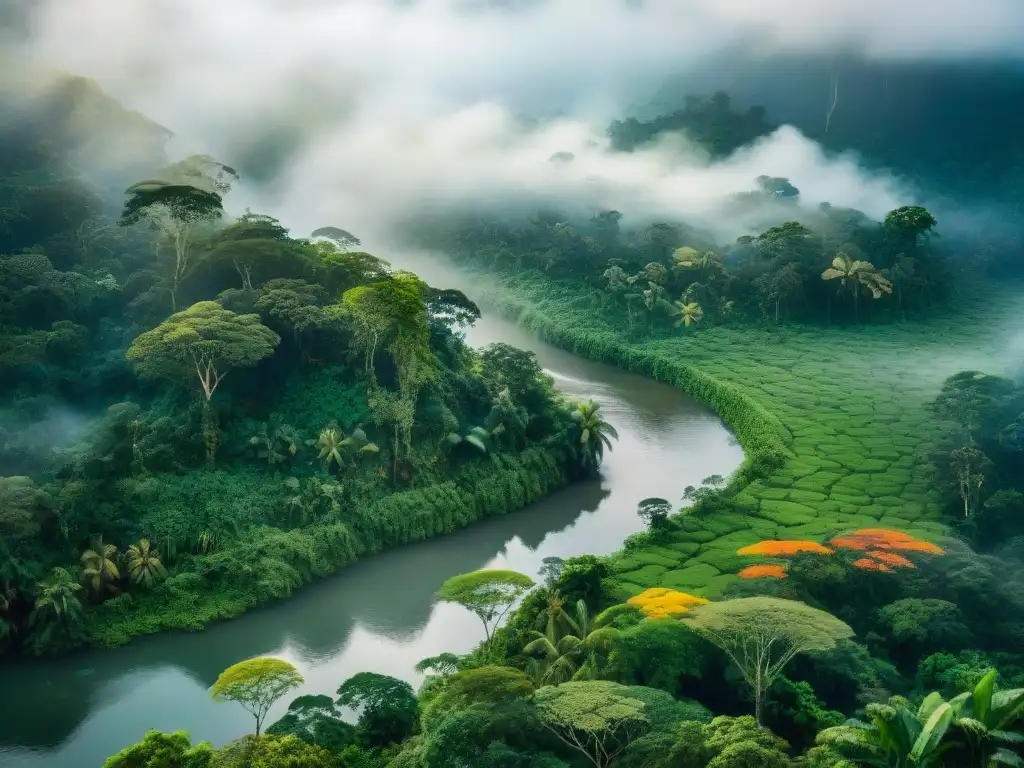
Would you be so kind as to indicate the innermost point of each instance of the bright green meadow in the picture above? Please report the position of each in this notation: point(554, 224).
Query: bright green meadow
point(834, 421)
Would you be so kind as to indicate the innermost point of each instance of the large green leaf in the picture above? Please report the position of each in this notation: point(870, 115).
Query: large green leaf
point(900, 732)
point(933, 732)
point(1006, 707)
point(1005, 757)
point(931, 702)
point(983, 696)
point(476, 442)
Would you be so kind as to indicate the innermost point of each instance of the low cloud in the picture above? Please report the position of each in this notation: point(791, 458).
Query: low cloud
point(361, 111)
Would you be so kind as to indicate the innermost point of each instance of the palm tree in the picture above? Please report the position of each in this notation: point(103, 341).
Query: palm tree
point(856, 275)
point(99, 568)
point(57, 607)
point(688, 312)
point(144, 566)
point(358, 443)
point(595, 433)
point(570, 654)
point(334, 445)
point(329, 443)
point(707, 262)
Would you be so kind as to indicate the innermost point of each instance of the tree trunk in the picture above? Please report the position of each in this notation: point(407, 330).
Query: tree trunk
point(210, 434)
point(180, 264)
point(758, 698)
point(776, 311)
point(394, 459)
point(856, 306)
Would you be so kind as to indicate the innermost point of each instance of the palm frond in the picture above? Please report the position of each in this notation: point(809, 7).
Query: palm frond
point(1006, 757)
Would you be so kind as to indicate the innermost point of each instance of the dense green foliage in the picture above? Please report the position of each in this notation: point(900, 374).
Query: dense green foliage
point(865, 635)
point(201, 413)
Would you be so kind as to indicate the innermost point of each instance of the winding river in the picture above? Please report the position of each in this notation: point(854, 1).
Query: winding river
point(378, 615)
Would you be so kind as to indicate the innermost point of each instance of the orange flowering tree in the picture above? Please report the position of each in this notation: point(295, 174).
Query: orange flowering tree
point(763, 572)
point(881, 548)
point(772, 548)
point(885, 539)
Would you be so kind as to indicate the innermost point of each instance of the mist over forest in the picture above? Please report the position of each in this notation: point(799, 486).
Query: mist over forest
point(365, 107)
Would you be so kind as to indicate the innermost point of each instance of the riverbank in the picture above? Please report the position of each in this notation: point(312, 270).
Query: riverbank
point(379, 613)
point(834, 421)
point(263, 567)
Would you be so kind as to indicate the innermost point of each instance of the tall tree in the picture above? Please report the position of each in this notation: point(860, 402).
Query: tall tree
point(490, 594)
point(144, 566)
point(204, 342)
point(258, 248)
point(762, 635)
point(780, 287)
point(388, 707)
point(342, 238)
point(99, 568)
point(855, 276)
point(189, 195)
point(907, 226)
point(256, 684)
point(57, 614)
point(595, 433)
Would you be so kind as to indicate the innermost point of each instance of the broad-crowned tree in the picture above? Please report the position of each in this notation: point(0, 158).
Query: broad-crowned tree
point(256, 684)
point(763, 634)
point(490, 594)
point(188, 195)
point(203, 343)
point(592, 717)
point(388, 708)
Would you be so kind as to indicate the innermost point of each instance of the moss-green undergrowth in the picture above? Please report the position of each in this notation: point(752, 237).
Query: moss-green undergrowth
point(269, 564)
point(834, 421)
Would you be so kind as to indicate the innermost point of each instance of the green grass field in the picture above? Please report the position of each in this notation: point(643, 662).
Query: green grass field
point(834, 421)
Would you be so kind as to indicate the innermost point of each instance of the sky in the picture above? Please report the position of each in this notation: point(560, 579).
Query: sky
point(377, 108)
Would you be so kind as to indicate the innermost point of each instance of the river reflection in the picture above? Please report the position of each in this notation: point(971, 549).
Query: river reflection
point(378, 615)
